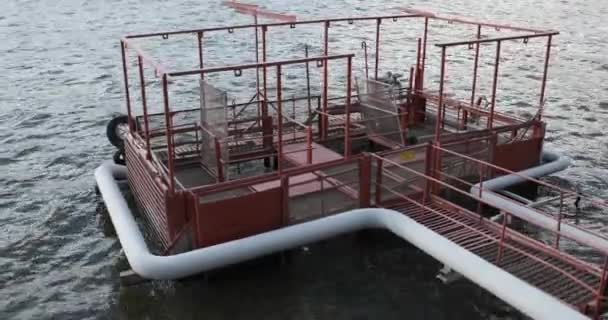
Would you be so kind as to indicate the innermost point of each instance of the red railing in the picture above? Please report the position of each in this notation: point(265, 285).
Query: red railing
point(421, 193)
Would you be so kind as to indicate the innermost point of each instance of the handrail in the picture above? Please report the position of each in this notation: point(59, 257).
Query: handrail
point(524, 177)
point(477, 198)
point(272, 24)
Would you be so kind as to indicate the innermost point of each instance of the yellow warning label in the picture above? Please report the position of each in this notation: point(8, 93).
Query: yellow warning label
point(407, 155)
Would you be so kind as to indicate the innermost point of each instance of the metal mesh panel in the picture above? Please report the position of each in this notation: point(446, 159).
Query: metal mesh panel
point(324, 192)
point(215, 125)
point(379, 109)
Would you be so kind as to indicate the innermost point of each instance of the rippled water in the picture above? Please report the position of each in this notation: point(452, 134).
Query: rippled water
point(61, 83)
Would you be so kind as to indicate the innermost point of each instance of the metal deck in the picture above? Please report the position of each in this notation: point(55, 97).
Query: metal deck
point(544, 267)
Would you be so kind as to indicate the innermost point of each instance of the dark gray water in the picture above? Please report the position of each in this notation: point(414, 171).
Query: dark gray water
point(61, 83)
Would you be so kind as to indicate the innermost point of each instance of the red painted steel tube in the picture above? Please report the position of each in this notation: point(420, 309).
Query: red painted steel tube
point(272, 24)
point(364, 46)
point(378, 193)
point(309, 145)
point(325, 120)
point(264, 74)
point(494, 86)
point(601, 290)
point(257, 70)
point(262, 64)
point(427, 172)
point(474, 86)
point(228, 185)
point(365, 178)
point(497, 39)
point(347, 142)
point(424, 40)
point(411, 80)
point(285, 199)
point(544, 82)
point(418, 65)
point(440, 104)
point(168, 127)
point(501, 242)
point(378, 22)
point(199, 36)
point(158, 67)
point(465, 20)
point(279, 121)
point(126, 80)
point(528, 178)
point(559, 219)
point(479, 203)
point(218, 160)
point(144, 105)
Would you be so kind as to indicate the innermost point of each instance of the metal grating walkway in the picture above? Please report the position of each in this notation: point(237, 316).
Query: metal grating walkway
point(548, 269)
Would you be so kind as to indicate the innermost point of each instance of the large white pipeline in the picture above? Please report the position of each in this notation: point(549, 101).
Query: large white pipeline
point(526, 298)
point(552, 163)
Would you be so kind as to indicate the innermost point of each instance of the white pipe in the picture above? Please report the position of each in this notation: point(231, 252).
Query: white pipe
point(553, 163)
point(526, 298)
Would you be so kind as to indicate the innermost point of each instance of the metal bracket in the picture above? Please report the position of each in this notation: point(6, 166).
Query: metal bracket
point(165, 36)
point(230, 30)
point(319, 63)
point(238, 72)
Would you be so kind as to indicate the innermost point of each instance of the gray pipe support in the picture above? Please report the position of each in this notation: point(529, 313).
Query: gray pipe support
point(526, 298)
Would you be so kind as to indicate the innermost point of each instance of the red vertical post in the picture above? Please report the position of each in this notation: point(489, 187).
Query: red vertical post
point(279, 121)
point(440, 102)
point(169, 132)
point(501, 243)
point(364, 181)
point(465, 116)
point(544, 83)
point(427, 171)
point(347, 144)
point(364, 46)
point(257, 70)
point(144, 104)
point(285, 199)
point(123, 47)
point(601, 290)
point(494, 86)
point(218, 160)
point(559, 219)
point(199, 36)
point(264, 73)
point(309, 145)
point(479, 203)
point(325, 121)
point(378, 195)
point(424, 37)
point(418, 66)
point(267, 142)
point(378, 22)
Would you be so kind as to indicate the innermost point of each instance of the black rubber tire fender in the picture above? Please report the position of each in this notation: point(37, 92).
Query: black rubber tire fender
point(119, 157)
point(112, 132)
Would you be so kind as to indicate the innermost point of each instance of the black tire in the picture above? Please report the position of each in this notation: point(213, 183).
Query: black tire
point(119, 157)
point(112, 130)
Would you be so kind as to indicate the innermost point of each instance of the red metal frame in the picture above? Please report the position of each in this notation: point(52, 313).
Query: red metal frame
point(503, 234)
point(178, 200)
